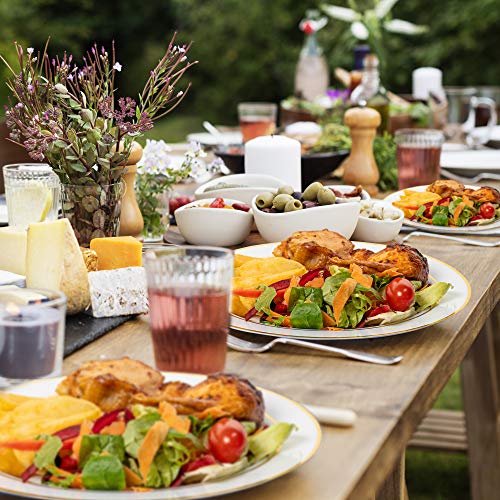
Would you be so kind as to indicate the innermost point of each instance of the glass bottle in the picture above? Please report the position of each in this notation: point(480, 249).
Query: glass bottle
point(371, 93)
point(311, 74)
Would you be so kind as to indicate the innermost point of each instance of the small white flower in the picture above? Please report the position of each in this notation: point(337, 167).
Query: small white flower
point(30, 50)
point(180, 93)
point(95, 167)
point(183, 58)
point(117, 66)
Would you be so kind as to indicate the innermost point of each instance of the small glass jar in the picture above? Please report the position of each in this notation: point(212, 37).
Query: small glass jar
point(32, 192)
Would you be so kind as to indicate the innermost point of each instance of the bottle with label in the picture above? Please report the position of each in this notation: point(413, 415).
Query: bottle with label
point(370, 93)
point(311, 74)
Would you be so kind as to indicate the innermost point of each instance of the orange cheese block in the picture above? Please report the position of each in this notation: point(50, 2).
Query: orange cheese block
point(116, 252)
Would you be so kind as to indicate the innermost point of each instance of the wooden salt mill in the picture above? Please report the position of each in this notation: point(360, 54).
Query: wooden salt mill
point(360, 166)
point(131, 221)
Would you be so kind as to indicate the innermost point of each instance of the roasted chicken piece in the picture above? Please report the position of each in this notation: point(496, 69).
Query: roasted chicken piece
point(483, 195)
point(118, 383)
point(445, 188)
point(334, 242)
point(405, 259)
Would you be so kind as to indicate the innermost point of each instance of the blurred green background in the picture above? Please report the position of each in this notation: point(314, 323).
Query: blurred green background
point(247, 50)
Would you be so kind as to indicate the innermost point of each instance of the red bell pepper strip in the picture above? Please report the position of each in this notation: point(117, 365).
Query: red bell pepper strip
point(281, 285)
point(68, 432)
point(445, 201)
point(26, 445)
point(29, 473)
point(281, 308)
point(128, 415)
point(69, 464)
point(326, 273)
point(310, 275)
point(105, 420)
point(379, 310)
point(192, 466)
point(247, 293)
point(250, 314)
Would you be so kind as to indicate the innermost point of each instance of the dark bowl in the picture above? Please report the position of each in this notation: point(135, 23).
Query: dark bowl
point(314, 166)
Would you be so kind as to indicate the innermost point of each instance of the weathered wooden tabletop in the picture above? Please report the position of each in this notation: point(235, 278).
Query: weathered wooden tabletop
point(365, 461)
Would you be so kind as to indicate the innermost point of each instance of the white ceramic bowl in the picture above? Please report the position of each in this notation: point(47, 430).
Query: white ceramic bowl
point(257, 184)
point(213, 226)
point(341, 218)
point(378, 231)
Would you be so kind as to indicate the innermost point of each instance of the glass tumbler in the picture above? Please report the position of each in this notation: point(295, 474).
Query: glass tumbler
point(189, 290)
point(256, 119)
point(32, 323)
point(418, 155)
point(32, 192)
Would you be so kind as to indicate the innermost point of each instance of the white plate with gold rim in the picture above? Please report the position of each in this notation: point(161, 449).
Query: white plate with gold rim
point(454, 301)
point(441, 229)
point(299, 447)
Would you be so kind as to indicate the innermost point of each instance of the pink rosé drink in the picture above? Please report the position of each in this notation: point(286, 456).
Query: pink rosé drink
point(418, 156)
point(189, 290)
point(257, 119)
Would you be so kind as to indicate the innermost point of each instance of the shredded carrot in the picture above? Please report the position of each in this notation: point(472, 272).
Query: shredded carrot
point(131, 478)
point(139, 489)
point(392, 272)
point(85, 428)
point(458, 211)
point(357, 274)
point(150, 445)
point(317, 282)
point(294, 281)
point(327, 320)
point(214, 412)
point(342, 296)
point(333, 329)
point(467, 202)
point(116, 428)
point(77, 482)
point(169, 415)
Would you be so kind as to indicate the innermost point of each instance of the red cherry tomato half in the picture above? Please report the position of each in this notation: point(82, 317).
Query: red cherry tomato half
point(400, 294)
point(487, 210)
point(227, 440)
point(217, 203)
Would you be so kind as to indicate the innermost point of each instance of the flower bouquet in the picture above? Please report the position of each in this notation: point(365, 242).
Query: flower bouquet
point(68, 115)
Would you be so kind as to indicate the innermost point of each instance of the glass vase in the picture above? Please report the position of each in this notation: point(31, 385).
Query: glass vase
point(157, 217)
point(93, 210)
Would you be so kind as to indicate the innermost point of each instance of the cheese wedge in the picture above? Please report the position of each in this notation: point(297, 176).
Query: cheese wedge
point(117, 252)
point(13, 249)
point(54, 261)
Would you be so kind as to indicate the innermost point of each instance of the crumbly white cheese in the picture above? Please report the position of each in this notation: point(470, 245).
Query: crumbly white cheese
point(118, 292)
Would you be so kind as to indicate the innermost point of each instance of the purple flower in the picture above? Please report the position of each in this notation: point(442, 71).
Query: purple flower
point(30, 88)
point(335, 94)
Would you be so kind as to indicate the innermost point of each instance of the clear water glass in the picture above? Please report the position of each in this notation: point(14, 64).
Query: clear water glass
point(32, 193)
point(257, 119)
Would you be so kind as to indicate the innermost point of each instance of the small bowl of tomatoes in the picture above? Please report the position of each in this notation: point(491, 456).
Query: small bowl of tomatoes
point(218, 221)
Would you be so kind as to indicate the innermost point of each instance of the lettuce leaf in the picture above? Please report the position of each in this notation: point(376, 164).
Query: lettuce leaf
point(136, 431)
point(94, 444)
point(300, 294)
point(104, 472)
point(46, 455)
point(307, 315)
point(263, 302)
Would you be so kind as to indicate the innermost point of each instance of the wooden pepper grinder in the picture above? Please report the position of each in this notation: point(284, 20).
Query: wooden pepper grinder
point(131, 221)
point(360, 166)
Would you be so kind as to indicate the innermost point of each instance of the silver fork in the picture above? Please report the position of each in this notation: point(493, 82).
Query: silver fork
point(465, 241)
point(469, 180)
point(246, 346)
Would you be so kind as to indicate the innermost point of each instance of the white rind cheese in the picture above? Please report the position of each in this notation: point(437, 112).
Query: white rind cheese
point(118, 292)
point(54, 261)
point(13, 243)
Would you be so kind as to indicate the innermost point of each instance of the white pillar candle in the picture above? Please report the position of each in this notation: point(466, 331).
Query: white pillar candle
point(426, 81)
point(275, 155)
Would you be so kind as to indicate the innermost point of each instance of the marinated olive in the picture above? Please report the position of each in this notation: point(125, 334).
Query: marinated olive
point(293, 205)
point(297, 195)
point(270, 210)
point(280, 201)
point(285, 190)
point(311, 191)
point(264, 200)
point(309, 204)
point(326, 196)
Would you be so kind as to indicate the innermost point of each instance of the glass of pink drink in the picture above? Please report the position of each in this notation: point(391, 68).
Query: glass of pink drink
point(257, 119)
point(189, 290)
point(418, 155)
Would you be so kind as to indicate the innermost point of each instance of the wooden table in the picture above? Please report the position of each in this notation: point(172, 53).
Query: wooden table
point(367, 461)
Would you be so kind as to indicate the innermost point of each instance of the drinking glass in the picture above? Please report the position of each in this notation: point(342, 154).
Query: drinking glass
point(189, 290)
point(32, 192)
point(256, 119)
point(418, 155)
point(31, 334)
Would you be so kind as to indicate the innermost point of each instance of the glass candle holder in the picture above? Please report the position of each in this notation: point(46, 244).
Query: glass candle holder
point(256, 119)
point(32, 192)
point(189, 290)
point(32, 323)
point(418, 155)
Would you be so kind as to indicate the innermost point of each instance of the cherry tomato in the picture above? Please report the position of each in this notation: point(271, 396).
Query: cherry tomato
point(173, 205)
point(227, 440)
point(218, 203)
point(400, 294)
point(487, 210)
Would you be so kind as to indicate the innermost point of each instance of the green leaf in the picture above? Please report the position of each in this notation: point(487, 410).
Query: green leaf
point(307, 315)
point(46, 455)
point(136, 431)
point(94, 445)
point(303, 293)
point(265, 299)
point(269, 441)
point(440, 215)
point(104, 473)
point(59, 143)
point(78, 167)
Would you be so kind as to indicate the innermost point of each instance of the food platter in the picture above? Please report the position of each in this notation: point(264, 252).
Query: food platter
point(454, 301)
point(299, 448)
point(442, 229)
